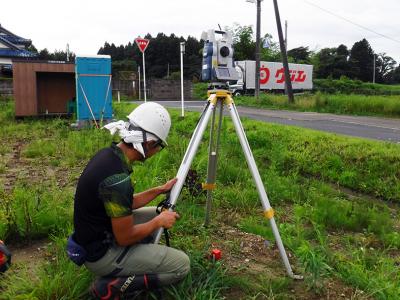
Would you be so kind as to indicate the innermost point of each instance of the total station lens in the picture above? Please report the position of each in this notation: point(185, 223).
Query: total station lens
point(224, 51)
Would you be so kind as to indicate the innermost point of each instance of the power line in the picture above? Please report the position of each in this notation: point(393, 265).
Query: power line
point(351, 22)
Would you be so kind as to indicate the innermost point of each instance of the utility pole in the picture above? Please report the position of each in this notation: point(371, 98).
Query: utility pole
point(257, 91)
point(288, 82)
point(257, 52)
point(67, 52)
point(182, 47)
point(286, 50)
point(144, 78)
point(139, 81)
point(373, 74)
point(286, 25)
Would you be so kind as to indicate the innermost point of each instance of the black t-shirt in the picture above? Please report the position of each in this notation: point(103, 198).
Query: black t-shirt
point(104, 191)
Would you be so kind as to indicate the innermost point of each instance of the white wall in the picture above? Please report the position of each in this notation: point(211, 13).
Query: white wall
point(5, 61)
point(3, 46)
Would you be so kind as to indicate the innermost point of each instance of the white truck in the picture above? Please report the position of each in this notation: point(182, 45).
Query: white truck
point(272, 77)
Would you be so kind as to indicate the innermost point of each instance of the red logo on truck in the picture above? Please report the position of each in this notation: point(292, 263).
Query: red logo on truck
point(280, 75)
point(264, 75)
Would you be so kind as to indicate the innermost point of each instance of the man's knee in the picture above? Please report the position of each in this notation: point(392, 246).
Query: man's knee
point(177, 267)
point(185, 266)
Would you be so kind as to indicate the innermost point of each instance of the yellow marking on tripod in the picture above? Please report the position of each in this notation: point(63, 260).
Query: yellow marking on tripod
point(208, 186)
point(222, 93)
point(228, 100)
point(212, 98)
point(269, 214)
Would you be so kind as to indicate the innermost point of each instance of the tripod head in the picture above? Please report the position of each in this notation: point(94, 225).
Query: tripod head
point(218, 86)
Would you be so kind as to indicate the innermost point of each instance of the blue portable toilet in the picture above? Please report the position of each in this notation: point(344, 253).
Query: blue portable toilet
point(93, 88)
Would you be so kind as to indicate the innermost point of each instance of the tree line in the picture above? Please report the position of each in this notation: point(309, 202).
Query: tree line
point(163, 57)
point(357, 62)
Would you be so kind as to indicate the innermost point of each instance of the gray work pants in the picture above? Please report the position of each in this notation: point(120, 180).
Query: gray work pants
point(171, 265)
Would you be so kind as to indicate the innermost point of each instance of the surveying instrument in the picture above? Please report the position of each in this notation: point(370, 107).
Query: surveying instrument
point(218, 66)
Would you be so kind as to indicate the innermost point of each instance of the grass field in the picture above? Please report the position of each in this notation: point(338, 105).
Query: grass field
point(336, 200)
point(348, 86)
point(384, 106)
point(339, 103)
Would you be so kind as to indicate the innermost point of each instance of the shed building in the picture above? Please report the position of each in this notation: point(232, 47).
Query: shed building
point(43, 87)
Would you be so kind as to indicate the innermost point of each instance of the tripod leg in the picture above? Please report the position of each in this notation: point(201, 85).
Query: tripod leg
point(189, 155)
point(268, 211)
point(212, 163)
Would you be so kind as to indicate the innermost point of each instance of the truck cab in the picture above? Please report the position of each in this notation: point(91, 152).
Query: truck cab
point(237, 89)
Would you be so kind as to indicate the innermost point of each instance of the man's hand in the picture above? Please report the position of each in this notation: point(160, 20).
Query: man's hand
point(167, 218)
point(165, 188)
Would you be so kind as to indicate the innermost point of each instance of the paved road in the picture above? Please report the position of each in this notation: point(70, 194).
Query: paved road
point(366, 127)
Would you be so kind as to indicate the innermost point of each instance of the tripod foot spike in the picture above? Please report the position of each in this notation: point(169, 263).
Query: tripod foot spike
point(296, 277)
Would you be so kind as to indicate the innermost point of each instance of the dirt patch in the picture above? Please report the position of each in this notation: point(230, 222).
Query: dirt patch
point(13, 159)
point(33, 170)
point(250, 255)
point(246, 250)
point(30, 256)
point(360, 196)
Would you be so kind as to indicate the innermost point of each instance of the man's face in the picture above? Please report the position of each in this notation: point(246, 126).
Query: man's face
point(153, 147)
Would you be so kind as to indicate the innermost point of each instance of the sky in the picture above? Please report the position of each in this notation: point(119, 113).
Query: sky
point(86, 24)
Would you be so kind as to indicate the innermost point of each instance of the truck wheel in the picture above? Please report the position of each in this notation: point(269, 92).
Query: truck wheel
point(236, 94)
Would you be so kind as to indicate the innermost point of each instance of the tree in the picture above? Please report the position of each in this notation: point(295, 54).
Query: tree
point(44, 54)
point(324, 62)
point(341, 65)
point(300, 55)
point(395, 76)
point(245, 46)
point(243, 42)
point(162, 54)
point(31, 48)
point(192, 58)
point(60, 55)
point(384, 68)
point(361, 61)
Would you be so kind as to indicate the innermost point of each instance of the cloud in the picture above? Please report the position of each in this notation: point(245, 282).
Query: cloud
point(86, 25)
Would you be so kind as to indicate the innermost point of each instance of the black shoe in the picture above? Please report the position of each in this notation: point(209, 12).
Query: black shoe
point(128, 287)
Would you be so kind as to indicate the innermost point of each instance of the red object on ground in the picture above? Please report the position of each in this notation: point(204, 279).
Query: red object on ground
point(3, 258)
point(216, 254)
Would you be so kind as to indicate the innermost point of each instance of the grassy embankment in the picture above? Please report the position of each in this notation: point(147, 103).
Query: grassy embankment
point(383, 101)
point(336, 201)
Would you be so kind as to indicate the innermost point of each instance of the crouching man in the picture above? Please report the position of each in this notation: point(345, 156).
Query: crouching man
point(114, 232)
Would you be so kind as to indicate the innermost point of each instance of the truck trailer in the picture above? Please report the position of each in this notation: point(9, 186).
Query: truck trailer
point(272, 77)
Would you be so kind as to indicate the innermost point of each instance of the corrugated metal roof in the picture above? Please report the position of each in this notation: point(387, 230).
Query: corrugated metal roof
point(7, 32)
point(15, 39)
point(12, 41)
point(16, 53)
point(8, 43)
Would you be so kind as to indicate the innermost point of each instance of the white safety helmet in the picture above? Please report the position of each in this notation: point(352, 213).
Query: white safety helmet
point(152, 117)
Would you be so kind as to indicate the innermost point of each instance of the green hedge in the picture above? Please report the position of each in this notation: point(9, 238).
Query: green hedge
point(348, 86)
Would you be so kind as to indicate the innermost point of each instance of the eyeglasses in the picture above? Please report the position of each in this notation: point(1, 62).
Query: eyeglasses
point(160, 144)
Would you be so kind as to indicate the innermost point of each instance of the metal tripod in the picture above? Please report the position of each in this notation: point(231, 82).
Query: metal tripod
point(223, 97)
